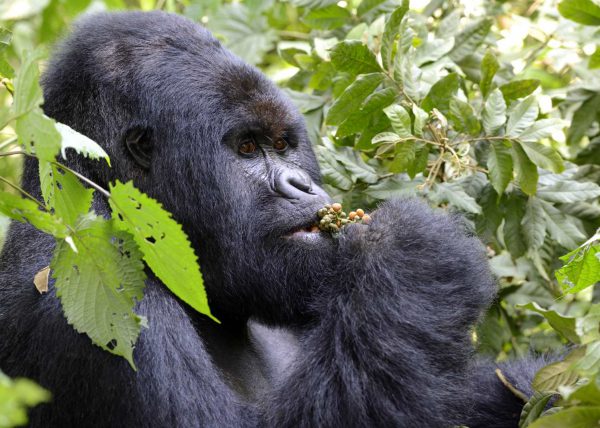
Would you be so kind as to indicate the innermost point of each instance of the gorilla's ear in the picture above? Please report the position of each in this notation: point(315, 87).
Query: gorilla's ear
point(138, 141)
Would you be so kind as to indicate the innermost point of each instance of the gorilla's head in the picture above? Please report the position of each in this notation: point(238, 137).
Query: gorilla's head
point(212, 139)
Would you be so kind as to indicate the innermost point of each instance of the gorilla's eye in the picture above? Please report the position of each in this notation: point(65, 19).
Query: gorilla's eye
point(280, 145)
point(247, 147)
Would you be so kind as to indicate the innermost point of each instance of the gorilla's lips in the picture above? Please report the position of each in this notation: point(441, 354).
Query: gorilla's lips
point(304, 230)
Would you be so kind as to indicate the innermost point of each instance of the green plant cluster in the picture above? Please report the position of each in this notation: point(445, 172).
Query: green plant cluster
point(489, 108)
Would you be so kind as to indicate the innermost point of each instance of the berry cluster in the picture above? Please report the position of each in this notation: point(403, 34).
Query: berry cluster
point(333, 218)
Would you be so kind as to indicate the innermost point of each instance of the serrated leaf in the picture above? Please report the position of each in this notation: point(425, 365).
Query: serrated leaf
point(327, 18)
point(99, 285)
point(64, 193)
point(582, 269)
point(392, 26)
point(400, 120)
point(534, 408)
point(166, 247)
point(543, 156)
point(494, 112)
point(489, 67)
point(574, 417)
point(563, 325)
point(71, 139)
point(522, 116)
point(569, 191)
point(351, 56)
point(441, 93)
point(469, 39)
point(27, 211)
point(534, 223)
point(527, 173)
point(38, 135)
point(500, 166)
point(584, 12)
point(583, 118)
point(353, 97)
point(519, 89)
point(463, 118)
point(561, 227)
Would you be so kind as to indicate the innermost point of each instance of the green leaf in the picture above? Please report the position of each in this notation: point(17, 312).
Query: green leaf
point(404, 156)
point(72, 139)
point(421, 118)
point(561, 227)
point(584, 12)
point(595, 59)
point(534, 408)
point(27, 211)
point(588, 393)
point(534, 223)
point(328, 18)
point(494, 112)
point(353, 97)
point(64, 193)
point(519, 89)
point(522, 116)
point(393, 187)
point(15, 397)
point(500, 166)
point(569, 191)
point(420, 162)
point(351, 56)
point(392, 26)
point(527, 174)
point(583, 118)
point(358, 120)
point(333, 173)
point(400, 120)
point(563, 325)
point(543, 156)
point(385, 137)
point(463, 118)
point(513, 231)
point(489, 67)
point(574, 417)
point(541, 129)
point(166, 247)
point(582, 269)
point(441, 93)
point(246, 31)
point(99, 285)
point(455, 196)
point(469, 39)
point(28, 94)
point(38, 135)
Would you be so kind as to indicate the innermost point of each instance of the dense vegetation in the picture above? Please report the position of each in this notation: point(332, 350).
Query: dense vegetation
point(490, 108)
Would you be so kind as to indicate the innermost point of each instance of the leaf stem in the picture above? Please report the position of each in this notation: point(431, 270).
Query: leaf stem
point(23, 191)
point(86, 180)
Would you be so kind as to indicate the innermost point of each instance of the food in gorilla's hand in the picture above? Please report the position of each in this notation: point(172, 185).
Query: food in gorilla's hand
point(333, 218)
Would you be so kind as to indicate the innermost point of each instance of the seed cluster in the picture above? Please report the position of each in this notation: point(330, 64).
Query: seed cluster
point(333, 218)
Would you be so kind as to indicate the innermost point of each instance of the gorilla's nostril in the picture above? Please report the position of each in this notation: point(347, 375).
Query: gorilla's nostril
point(293, 183)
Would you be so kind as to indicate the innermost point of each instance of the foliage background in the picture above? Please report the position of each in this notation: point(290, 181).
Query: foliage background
point(489, 108)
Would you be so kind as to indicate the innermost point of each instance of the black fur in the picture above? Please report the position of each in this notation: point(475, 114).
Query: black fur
point(370, 330)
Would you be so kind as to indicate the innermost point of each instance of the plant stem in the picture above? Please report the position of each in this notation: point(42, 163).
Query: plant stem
point(23, 191)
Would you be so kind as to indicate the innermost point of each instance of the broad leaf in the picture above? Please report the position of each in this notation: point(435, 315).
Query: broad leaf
point(582, 11)
point(569, 191)
point(583, 119)
point(575, 417)
point(518, 89)
point(27, 211)
point(441, 93)
point(99, 285)
point(489, 67)
point(469, 39)
point(16, 396)
point(353, 97)
point(543, 156)
point(534, 408)
point(562, 324)
point(400, 120)
point(166, 247)
point(527, 174)
point(582, 269)
point(353, 57)
point(522, 116)
point(494, 112)
point(328, 18)
point(392, 26)
point(534, 223)
point(38, 135)
point(500, 166)
point(561, 227)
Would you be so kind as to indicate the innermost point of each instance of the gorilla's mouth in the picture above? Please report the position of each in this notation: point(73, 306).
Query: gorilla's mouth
point(306, 231)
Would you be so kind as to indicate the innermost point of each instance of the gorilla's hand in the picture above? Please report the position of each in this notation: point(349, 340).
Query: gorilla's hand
point(392, 345)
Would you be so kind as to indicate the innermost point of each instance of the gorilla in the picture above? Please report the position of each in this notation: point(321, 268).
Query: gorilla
point(372, 328)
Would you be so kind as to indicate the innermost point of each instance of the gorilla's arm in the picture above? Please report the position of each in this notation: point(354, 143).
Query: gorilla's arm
point(392, 346)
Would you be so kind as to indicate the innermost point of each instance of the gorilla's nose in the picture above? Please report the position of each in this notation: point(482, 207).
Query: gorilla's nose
point(296, 184)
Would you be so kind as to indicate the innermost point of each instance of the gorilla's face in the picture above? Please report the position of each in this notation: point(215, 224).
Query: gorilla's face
point(249, 174)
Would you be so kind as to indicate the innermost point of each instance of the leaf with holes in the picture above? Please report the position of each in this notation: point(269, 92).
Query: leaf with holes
point(38, 135)
point(99, 285)
point(64, 193)
point(166, 247)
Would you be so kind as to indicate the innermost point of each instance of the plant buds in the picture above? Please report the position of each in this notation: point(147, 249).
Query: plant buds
point(333, 218)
